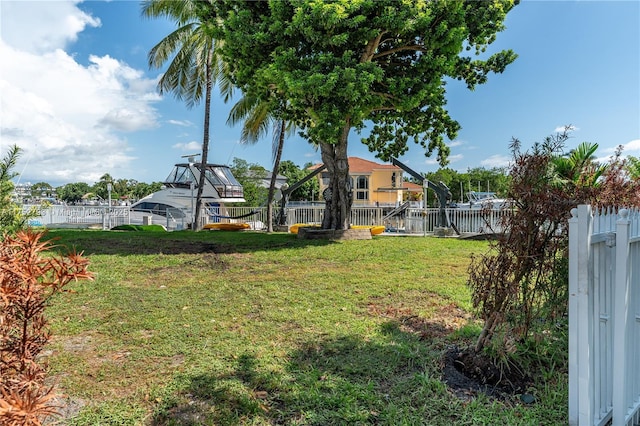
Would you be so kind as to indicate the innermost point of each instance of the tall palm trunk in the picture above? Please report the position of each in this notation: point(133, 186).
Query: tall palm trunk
point(205, 141)
point(274, 175)
point(337, 214)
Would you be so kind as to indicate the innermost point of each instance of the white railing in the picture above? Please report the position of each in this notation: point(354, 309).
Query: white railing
point(419, 221)
point(107, 218)
point(413, 220)
point(604, 317)
point(79, 215)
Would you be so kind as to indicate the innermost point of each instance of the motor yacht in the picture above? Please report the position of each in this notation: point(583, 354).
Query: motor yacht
point(176, 200)
point(481, 200)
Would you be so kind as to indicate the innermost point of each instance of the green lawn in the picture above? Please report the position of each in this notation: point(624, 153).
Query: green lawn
point(224, 328)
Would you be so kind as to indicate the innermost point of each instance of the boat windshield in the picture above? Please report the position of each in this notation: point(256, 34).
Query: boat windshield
point(481, 196)
point(180, 176)
point(224, 181)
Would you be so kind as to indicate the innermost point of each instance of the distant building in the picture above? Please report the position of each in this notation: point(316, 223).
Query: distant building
point(21, 191)
point(376, 184)
point(264, 179)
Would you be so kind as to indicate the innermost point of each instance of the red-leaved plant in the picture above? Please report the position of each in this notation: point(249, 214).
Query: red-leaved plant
point(27, 281)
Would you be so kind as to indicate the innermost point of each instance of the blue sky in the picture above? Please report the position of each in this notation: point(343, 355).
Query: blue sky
point(77, 95)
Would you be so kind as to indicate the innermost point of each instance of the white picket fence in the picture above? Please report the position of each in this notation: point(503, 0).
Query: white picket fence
point(604, 317)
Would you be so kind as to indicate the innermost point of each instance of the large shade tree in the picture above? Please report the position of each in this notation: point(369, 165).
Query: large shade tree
point(346, 64)
point(194, 66)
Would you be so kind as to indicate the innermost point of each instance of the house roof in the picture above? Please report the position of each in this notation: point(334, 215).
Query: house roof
point(412, 187)
point(360, 165)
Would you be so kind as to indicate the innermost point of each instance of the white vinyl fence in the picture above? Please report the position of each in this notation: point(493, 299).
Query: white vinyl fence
point(604, 317)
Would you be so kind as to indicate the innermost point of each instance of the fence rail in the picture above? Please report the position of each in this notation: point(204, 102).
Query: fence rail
point(412, 220)
point(604, 317)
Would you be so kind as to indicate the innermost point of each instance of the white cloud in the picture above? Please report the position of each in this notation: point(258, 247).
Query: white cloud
point(496, 161)
point(455, 158)
point(455, 143)
point(630, 148)
point(44, 26)
point(183, 123)
point(633, 146)
point(452, 159)
point(188, 146)
point(66, 117)
point(568, 127)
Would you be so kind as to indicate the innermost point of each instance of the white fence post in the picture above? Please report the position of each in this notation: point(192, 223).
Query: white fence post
point(621, 320)
point(573, 312)
point(580, 318)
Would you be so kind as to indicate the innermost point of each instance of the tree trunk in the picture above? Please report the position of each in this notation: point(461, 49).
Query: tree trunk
point(205, 143)
point(337, 212)
point(274, 174)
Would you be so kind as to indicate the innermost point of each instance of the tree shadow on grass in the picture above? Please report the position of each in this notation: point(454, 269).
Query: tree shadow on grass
point(125, 243)
point(332, 381)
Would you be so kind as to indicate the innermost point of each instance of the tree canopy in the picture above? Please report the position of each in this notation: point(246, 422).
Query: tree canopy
point(333, 66)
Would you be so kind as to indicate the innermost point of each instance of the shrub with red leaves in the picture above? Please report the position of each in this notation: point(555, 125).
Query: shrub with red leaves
point(521, 283)
point(27, 281)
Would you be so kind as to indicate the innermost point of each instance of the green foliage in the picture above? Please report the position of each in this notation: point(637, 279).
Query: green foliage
point(476, 179)
point(329, 67)
point(73, 192)
point(579, 167)
point(250, 176)
point(310, 190)
point(42, 189)
point(12, 217)
point(337, 66)
point(140, 228)
point(633, 167)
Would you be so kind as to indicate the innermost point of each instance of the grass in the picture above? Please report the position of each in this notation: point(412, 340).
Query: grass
point(245, 328)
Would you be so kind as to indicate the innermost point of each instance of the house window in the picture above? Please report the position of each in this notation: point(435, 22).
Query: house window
point(325, 178)
point(361, 188)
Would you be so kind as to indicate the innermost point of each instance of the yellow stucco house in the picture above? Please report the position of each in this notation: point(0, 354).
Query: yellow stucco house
point(376, 184)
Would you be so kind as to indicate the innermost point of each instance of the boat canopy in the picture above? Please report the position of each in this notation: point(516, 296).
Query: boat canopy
point(217, 176)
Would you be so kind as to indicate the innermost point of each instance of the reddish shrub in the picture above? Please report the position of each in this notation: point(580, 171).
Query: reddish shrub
point(27, 281)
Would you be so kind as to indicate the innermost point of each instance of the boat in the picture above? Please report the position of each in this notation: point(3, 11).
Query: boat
point(175, 202)
point(481, 200)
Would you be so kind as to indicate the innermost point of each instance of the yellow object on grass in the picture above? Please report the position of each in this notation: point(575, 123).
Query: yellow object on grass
point(226, 226)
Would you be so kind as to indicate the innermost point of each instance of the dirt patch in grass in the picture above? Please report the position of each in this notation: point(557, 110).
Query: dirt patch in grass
point(465, 372)
point(66, 407)
point(468, 373)
point(151, 246)
point(445, 319)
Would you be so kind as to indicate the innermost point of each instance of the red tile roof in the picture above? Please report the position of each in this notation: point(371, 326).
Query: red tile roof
point(360, 165)
point(412, 187)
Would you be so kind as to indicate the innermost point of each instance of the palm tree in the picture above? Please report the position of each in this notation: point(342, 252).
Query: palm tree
point(257, 118)
point(194, 66)
point(579, 166)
